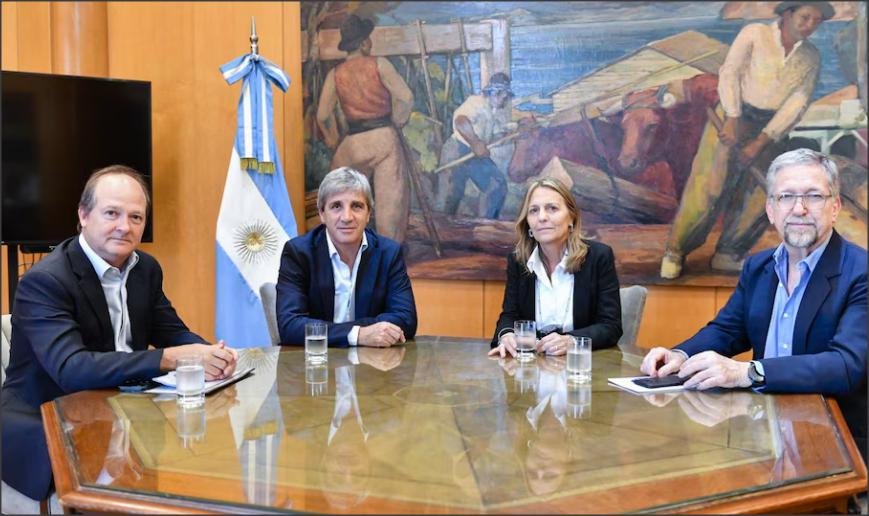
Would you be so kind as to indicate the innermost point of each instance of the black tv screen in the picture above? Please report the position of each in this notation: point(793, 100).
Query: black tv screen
point(57, 130)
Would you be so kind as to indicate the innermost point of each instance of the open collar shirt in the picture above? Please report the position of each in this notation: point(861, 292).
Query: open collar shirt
point(553, 302)
point(779, 337)
point(345, 286)
point(114, 283)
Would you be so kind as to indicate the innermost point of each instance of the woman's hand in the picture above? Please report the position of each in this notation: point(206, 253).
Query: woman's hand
point(506, 345)
point(554, 344)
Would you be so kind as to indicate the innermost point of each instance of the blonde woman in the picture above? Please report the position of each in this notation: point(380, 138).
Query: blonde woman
point(566, 284)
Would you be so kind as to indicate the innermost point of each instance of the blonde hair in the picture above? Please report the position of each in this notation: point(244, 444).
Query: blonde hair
point(576, 248)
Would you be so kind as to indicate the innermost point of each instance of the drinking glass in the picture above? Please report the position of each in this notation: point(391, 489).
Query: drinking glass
point(316, 337)
point(316, 378)
point(579, 359)
point(526, 337)
point(190, 381)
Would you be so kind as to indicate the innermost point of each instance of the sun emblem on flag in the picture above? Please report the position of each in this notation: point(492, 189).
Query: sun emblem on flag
point(255, 242)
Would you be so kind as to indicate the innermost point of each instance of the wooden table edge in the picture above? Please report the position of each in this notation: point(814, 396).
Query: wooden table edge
point(819, 493)
point(803, 497)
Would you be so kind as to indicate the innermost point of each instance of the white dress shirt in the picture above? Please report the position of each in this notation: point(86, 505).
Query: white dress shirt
point(345, 286)
point(114, 282)
point(553, 303)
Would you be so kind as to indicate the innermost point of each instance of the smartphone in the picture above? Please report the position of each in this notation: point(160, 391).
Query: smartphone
point(660, 381)
point(137, 385)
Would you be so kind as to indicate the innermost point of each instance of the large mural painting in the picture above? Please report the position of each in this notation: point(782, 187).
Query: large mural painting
point(457, 106)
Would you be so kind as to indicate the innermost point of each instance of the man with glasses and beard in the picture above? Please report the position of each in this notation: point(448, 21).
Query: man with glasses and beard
point(800, 307)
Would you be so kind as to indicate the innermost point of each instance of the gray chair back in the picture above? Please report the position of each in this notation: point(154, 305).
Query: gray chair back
point(633, 302)
point(6, 340)
point(268, 296)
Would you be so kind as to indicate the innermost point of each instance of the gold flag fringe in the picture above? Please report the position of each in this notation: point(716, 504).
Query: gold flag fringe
point(263, 167)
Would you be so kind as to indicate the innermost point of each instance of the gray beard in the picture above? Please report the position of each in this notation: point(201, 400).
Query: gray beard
point(801, 240)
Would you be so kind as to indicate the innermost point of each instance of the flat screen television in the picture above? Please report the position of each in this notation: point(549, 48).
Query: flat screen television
point(57, 130)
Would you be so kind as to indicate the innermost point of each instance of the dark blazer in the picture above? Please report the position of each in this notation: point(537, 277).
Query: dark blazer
point(306, 288)
point(63, 342)
point(829, 346)
point(597, 307)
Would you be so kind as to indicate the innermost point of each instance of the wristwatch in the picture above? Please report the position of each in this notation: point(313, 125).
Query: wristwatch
point(755, 373)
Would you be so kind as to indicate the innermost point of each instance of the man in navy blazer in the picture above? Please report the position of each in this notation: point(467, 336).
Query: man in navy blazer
point(83, 318)
point(344, 274)
point(800, 307)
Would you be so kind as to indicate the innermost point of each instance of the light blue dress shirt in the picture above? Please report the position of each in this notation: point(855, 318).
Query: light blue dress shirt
point(780, 336)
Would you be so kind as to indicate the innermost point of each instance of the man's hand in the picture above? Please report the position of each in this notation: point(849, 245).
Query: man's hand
point(713, 370)
point(380, 335)
point(554, 344)
point(219, 360)
point(506, 346)
point(661, 362)
point(382, 359)
point(750, 151)
point(729, 131)
point(711, 409)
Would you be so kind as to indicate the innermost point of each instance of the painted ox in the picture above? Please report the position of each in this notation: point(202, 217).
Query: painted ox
point(645, 142)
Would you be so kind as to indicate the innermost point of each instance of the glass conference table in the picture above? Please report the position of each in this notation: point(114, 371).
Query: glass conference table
point(437, 427)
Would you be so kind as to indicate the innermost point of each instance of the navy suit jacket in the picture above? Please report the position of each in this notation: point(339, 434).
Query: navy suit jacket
point(63, 342)
point(306, 288)
point(597, 306)
point(829, 345)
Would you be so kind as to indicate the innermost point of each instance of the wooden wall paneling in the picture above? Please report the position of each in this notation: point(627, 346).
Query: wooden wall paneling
point(493, 298)
point(9, 36)
point(34, 36)
point(722, 294)
point(155, 42)
point(79, 44)
point(294, 133)
point(673, 314)
point(451, 308)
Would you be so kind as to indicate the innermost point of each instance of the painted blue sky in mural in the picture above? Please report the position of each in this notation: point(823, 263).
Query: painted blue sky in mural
point(553, 43)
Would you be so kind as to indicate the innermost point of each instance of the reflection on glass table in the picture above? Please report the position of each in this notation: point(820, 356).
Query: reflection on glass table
point(437, 426)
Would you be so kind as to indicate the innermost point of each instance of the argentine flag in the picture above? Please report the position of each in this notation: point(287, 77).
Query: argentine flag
point(255, 218)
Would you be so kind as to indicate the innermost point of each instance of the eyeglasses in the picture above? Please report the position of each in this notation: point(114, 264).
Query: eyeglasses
point(813, 201)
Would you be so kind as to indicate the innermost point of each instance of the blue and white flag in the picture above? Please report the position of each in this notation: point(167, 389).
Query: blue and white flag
point(255, 218)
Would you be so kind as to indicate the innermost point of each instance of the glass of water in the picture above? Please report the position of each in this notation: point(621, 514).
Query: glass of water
point(526, 338)
point(316, 337)
point(579, 359)
point(190, 381)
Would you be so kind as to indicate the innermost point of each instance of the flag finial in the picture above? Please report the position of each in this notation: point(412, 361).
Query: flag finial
point(254, 39)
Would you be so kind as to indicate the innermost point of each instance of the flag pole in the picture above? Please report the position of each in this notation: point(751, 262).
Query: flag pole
point(254, 39)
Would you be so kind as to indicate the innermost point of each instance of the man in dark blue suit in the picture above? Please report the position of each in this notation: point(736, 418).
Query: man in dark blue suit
point(83, 318)
point(801, 307)
point(344, 274)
